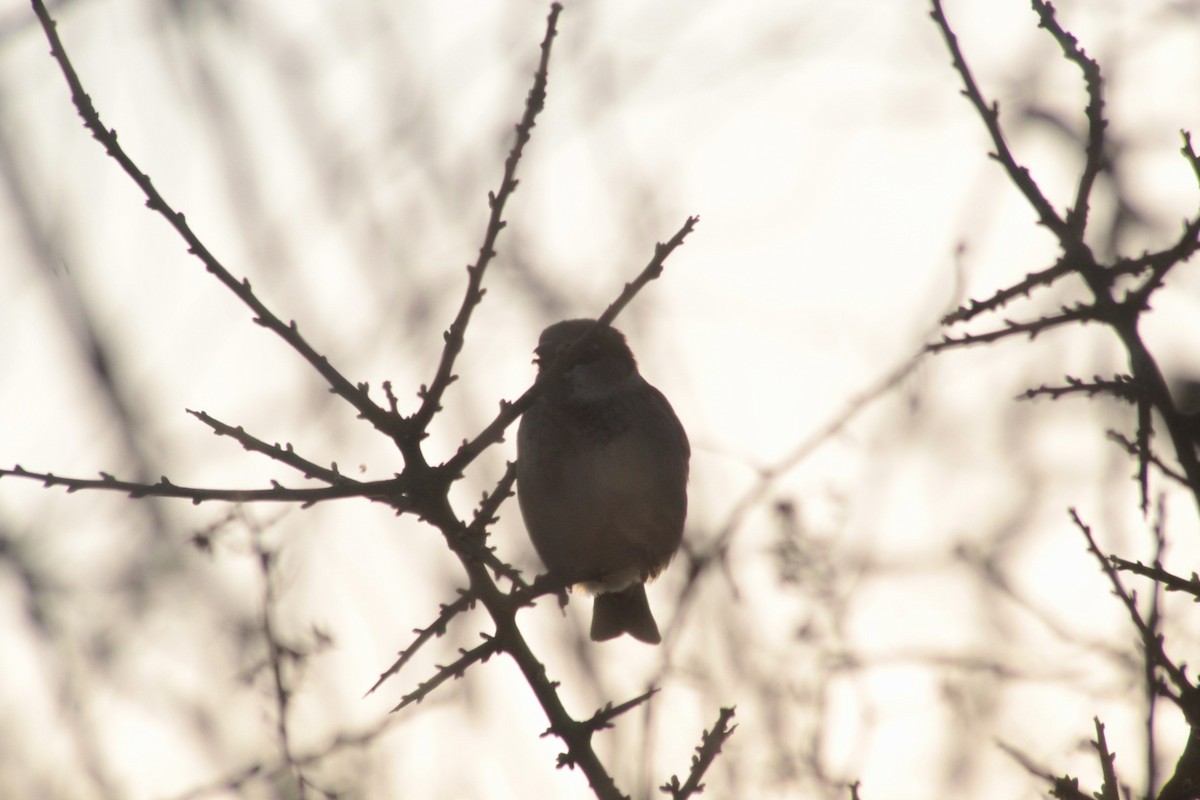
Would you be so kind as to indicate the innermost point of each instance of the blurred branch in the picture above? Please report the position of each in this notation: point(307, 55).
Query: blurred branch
point(1135, 449)
point(357, 395)
point(260, 771)
point(281, 686)
point(1188, 696)
point(1064, 787)
point(714, 551)
point(1110, 789)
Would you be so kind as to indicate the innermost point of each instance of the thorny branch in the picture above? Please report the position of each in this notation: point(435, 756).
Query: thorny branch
point(419, 489)
point(1119, 306)
point(1120, 314)
point(710, 746)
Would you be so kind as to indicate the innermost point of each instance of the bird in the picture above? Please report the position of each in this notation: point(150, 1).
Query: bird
point(602, 473)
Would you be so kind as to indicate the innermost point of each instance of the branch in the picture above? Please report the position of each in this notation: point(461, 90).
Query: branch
point(990, 114)
point(284, 455)
point(1153, 641)
point(603, 718)
point(710, 745)
point(1110, 789)
point(1156, 573)
point(1121, 387)
point(387, 491)
point(435, 629)
point(456, 669)
point(1079, 313)
point(1135, 450)
point(509, 411)
point(1094, 150)
point(1022, 288)
point(384, 421)
point(534, 103)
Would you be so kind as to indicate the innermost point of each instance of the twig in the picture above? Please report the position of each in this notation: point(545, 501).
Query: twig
point(1152, 641)
point(1094, 150)
point(1110, 789)
point(436, 628)
point(455, 669)
point(1080, 313)
point(372, 490)
point(1022, 288)
point(534, 103)
point(356, 395)
point(510, 411)
point(1121, 387)
point(711, 743)
point(282, 691)
point(603, 718)
point(990, 114)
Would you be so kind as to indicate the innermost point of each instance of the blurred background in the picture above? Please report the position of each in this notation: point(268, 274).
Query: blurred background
point(893, 588)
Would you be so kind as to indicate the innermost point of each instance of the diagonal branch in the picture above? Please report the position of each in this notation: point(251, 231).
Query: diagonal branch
point(356, 395)
point(710, 746)
point(990, 114)
point(509, 411)
point(1153, 642)
point(284, 455)
point(455, 669)
point(436, 628)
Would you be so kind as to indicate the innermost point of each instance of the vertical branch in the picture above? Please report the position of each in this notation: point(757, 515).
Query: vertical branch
point(275, 657)
point(1077, 215)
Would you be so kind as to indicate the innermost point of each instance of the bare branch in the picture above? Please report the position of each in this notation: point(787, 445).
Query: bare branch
point(711, 743)
point(455, 669)
point(385, 421)
point(387, 490)
point(284, 455)
point(603, 718)
point(990, 114)
point(1155, 642)
point(1121, 387)
point(510, 411)
point(1002, 297)
point(1079, 313)
point(434, 629)
point(1094, 150)
point(431, 397)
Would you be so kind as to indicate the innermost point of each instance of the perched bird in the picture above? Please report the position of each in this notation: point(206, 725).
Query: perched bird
point(602, 469)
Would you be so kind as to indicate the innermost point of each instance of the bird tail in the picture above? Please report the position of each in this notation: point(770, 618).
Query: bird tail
point(626, 611)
